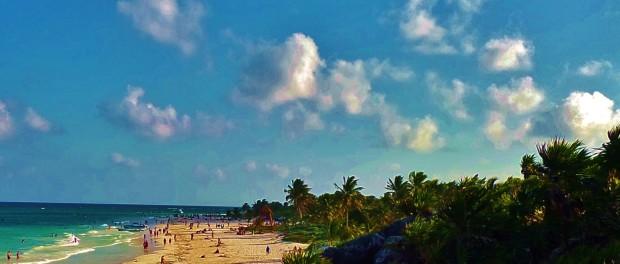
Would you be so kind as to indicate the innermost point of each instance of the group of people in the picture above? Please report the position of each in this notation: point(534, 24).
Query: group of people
point(8, 255)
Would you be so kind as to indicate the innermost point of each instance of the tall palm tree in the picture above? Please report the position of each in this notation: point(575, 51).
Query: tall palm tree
point(299, 195)
point(397, 192)
point(349, 194)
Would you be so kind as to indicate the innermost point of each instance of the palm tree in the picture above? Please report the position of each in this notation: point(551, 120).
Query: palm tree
point(299, 195)
point(397, 192)
point(349, 194)
point(610, 153)
point(529, 166)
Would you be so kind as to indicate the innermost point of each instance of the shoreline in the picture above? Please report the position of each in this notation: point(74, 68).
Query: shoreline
point(234, 248)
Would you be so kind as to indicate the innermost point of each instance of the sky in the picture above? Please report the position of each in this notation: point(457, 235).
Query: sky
point(226, 102)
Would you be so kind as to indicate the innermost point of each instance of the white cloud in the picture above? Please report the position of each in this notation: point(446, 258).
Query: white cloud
point(514, 106)
point(399, 132)
point(151, 120)
point(507, 54)
point(278, 74)
point(451, 97)
point(281, 171)
point(500, 135)
point(426, 136)
point(267, 83)
point(590, 116)
point(427, 33)
point(6, 122)
point(593, 68)
point(124, 161)
point(165, 21)
point(348, 83)
point(305, 171)
point(250, 165)
point(521, 97)
point(35, 121)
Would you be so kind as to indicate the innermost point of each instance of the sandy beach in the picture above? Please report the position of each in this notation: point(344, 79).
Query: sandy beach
point(249, 248)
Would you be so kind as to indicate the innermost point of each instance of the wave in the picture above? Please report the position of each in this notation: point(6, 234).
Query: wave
point(68, 255)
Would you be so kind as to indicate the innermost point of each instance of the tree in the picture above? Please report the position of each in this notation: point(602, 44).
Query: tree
point(349, 194)
point(398, 190)
point(299, 195)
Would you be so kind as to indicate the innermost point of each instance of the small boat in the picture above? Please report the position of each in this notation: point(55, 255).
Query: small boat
point(135, 227)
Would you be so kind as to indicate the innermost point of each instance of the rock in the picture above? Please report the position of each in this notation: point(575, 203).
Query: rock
point(396, 228)
point(392, 251)
point(360, 250)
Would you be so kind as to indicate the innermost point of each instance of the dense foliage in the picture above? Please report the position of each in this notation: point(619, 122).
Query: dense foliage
point(565, 208)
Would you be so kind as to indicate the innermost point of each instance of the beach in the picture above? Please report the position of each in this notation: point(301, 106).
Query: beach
point(248, 248)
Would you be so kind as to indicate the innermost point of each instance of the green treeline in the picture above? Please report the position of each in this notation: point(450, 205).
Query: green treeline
point(565, 208)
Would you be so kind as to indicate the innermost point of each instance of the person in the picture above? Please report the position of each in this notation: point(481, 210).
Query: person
point(17, 255)
point(145, 244)
point(268, 250)
point(192, 237)
point(164, 241)
point(8, 255)
point(162, 259)
point(169, 240)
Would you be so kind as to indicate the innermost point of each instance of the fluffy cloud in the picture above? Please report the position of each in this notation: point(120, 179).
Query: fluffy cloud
point(426, 136)
point(450, 96)
point(348, 80)
point(146, 118)
point(6, 122)
point(590, 116)
point(119, 159)
point(266, 84)
point(513, 109)
point(500, 135)
point(165, 21)
point(593, 68)
point(281, 171)
point(36, 122)
point(507, 54)
point(350, 84)
point(431, 37)
point(279, 74)
point(521, 97)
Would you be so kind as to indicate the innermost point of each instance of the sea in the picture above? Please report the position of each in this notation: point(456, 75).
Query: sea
point(43, 232)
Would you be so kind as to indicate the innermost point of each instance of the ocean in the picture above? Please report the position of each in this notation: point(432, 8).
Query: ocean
point(42, 232)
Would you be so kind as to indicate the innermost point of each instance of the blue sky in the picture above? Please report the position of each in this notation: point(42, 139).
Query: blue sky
point(225, 102)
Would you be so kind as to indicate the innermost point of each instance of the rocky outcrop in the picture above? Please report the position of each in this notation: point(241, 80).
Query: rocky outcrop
point(360, 250)
point(384, 247)
point(391, 252)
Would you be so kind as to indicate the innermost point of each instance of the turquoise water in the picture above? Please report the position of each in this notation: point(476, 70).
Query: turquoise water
point(46, 230)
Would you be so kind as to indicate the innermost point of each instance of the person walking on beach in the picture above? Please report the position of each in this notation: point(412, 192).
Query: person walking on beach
point(8, 255)
point(268, 250)
point(162, 259)
point(17, 255)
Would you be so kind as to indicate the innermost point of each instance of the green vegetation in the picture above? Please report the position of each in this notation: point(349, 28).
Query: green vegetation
point(565, 209)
